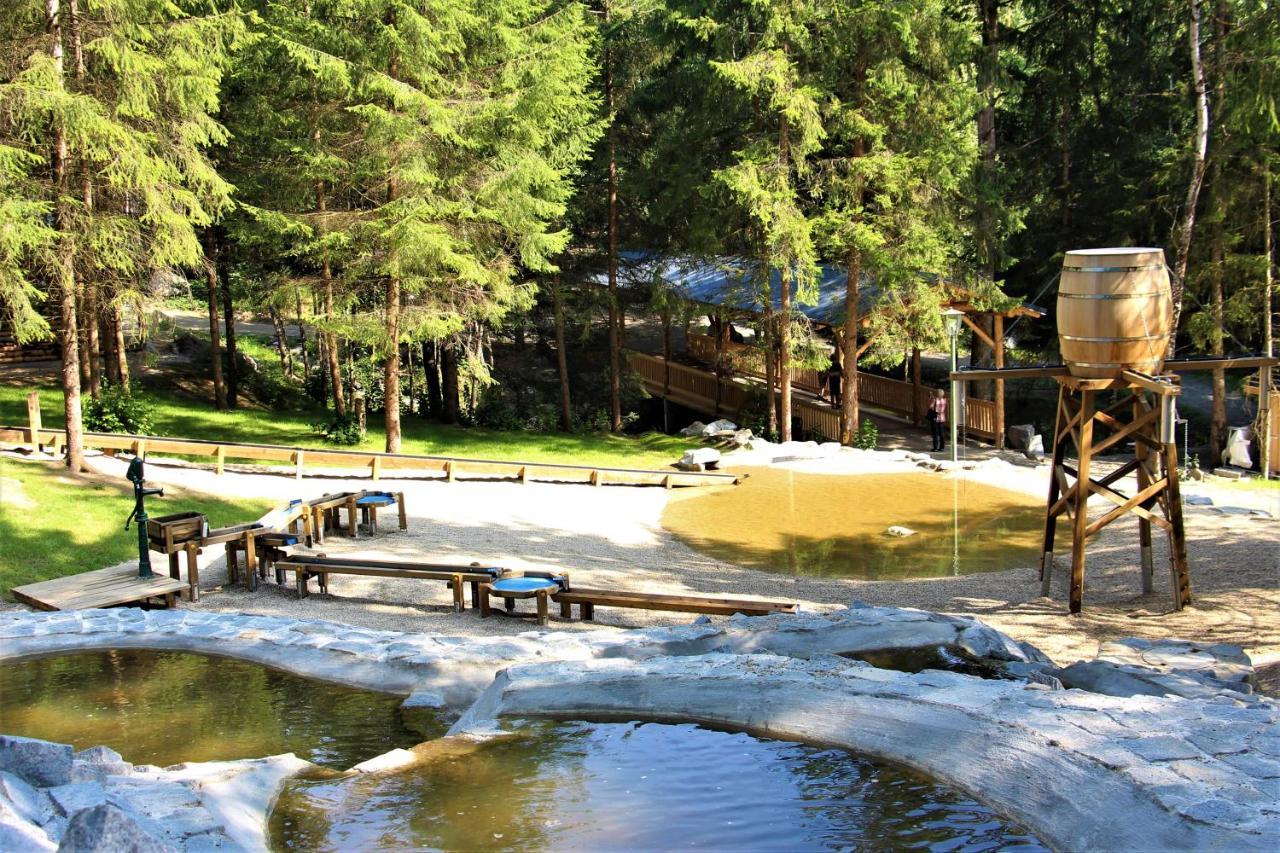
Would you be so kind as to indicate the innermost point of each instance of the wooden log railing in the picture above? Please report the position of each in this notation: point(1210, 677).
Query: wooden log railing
point(696, 389)
point(448, 467)
point(745, 360)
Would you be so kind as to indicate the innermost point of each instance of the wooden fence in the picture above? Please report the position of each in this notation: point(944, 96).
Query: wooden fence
point(700, 390)
point(446, 467)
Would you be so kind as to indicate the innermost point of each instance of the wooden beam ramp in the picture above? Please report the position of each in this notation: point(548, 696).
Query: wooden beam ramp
point(442, 467)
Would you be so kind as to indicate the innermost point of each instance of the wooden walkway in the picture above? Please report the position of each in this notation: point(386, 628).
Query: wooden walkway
point(100, 588)
point(702, 391)
point(443, 467)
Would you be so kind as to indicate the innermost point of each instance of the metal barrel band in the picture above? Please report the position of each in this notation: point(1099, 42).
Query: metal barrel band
point(1144, 294)
point(1117, 364)
point(1142, 268)
point(1113, 340)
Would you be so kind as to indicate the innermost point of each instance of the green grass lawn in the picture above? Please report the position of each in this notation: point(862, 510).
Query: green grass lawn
point(176, 414)
point(53, 524)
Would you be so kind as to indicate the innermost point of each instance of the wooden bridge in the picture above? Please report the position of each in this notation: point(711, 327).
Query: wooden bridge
point(702, 391)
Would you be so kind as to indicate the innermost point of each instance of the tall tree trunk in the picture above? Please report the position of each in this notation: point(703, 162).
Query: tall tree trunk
point(849, 413)
point(449, 382)
point(770, 363)
point(66, 264)
point(231, 356)
point(91, 339)
point(107, 336)
point(615, 359)
point(282, 345)
point(1186, 226)
point(302, 338)
point(1268, 342)
point(784, 280)
point(231, 359)
point(121, 347)
point(215, 333)
point(985, 213)
point(88, 328)
point(562, 360)
point(326, 276)
point(431, 367)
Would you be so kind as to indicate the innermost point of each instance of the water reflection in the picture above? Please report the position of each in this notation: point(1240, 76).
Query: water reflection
point(168, 707)
point(835, 525)
point(632, 786)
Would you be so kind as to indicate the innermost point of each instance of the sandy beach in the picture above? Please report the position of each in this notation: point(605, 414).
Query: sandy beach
point(613, 535)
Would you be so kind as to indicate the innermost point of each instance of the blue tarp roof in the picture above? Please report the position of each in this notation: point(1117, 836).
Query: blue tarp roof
point(727, 281)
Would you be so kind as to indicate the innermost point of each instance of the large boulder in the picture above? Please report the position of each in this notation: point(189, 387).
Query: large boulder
point(718, 428)
point(106, 828)
point(37, 762)
point(1018, 436)
point(693, 430)
point(699, 458)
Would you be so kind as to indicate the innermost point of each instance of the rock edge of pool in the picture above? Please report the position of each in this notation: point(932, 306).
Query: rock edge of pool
point(1152, 745)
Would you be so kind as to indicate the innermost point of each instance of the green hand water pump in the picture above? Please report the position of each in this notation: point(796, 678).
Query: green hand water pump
point(140, 492)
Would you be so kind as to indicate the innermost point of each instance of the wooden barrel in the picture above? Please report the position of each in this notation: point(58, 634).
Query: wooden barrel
point(1115, 311)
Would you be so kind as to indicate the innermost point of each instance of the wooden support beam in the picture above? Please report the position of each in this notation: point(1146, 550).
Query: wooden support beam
point(1151, 383)
point(1047, 372)
point(1181, 574)
point(1136, 504)
point(219, 459)
point(297, 464)
point(1080, 522)
point(979, 332)
point(1183, 365)
point(33, 419)
point(999, 401)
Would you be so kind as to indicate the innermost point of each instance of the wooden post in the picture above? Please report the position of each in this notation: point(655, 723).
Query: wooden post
point(999, 352)
point(351, 517)
point(1177, 535)
point(1051, 518)
point(33, 419)
point(404, 520)
point(448, 471)
point(297, 464)
point(1144, 526)
point(250, 562)
point(193, 572)
point(375, 467)
point(916, 414)
point(1081, 520)
point(219, 459)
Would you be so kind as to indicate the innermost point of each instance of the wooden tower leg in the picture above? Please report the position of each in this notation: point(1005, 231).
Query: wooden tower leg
point(1082, 490)
point(1051, 517)
point(1144, 475)
point(1177, 533)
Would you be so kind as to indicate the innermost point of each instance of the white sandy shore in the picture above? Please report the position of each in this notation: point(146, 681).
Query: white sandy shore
point(613, 536)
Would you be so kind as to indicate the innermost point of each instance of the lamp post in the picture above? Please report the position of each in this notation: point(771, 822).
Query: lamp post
point(951, 320)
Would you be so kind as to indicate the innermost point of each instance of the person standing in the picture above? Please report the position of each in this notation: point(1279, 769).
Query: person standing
point(937, 416)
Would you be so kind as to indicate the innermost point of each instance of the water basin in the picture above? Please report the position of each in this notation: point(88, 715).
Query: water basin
point(834, 525)
point(164, 708)
point(635, 786)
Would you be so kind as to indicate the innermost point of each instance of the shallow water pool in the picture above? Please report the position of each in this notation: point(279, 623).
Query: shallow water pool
point(635, 786)
point(834, 525)
point(164, 708)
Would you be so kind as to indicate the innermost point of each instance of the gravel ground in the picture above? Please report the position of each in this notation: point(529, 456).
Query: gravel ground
point(613, 536)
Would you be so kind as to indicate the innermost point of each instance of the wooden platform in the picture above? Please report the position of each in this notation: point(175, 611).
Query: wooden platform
point(100, 588)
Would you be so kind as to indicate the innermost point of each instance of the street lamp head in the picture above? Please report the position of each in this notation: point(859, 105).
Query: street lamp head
point(951, 319)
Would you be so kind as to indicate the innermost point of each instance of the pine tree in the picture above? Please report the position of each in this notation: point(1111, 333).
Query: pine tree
point(131, 123)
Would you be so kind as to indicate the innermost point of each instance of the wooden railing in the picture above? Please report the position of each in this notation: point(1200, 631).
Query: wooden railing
point(447, 467)
point(697, 389)
point(745, 360)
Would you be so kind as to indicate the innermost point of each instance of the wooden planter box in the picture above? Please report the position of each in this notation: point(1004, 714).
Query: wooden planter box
point(168, 530)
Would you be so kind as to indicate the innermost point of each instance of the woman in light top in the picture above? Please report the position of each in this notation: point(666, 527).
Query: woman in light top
point(938, 419)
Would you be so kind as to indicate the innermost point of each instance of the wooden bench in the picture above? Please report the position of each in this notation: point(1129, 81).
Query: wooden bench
point(304, 568)
point(587, 599)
